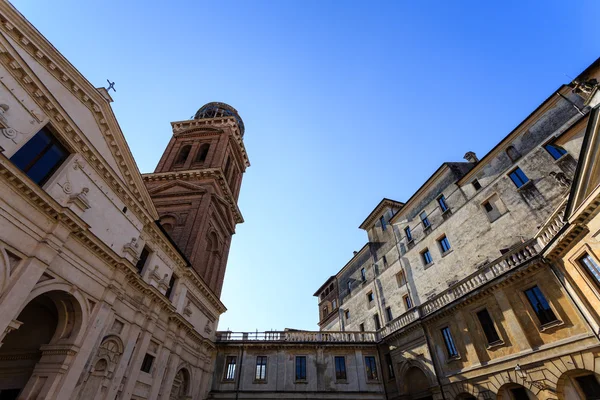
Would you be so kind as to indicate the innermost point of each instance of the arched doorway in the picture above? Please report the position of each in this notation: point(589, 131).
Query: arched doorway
point(514, 391)
point(579, 384)
point(181, 385)
point(465, 396)
point(49, 320)
point(416, 384)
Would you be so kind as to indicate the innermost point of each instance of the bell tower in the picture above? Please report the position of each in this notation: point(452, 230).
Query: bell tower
point(196, 185)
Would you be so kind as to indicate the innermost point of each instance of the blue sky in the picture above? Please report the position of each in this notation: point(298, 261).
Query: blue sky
point(344, 103)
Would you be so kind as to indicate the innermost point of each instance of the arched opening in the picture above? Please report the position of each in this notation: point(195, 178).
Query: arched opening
point(102, 369)
point(416, 384)
point(514, 391)
point(183, 154)
point(168, 222)
point(53, 318)
point(513, 153)
point(202, 153)
point(465, 396)
point(579, 384)
point(181, 385)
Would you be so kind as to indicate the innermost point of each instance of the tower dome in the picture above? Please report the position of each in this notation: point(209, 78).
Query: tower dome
point(216, 110)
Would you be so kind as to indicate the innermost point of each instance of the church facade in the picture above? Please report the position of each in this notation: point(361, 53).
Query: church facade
point(484, 284)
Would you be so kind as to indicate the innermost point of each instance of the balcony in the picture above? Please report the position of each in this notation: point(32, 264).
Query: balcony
point(296, 337)
point(552, 226)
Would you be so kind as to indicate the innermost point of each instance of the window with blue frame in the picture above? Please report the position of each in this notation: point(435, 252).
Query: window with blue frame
point(425, 220)
point(442, 202)
point(371, 368)
point(40, 156)
point(449, 342)
point(540, 305)
point(555, 151)
point(409, 237)
point(444, 244)
point(518, 177)
point(426, 255)
point(300, 368)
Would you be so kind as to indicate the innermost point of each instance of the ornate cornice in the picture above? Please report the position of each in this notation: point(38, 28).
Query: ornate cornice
point(212, 173)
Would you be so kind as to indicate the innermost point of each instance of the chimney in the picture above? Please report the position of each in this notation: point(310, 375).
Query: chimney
point(471, 157)
point(355, 252)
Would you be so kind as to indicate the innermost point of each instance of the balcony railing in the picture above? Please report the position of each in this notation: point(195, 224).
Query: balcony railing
point(297, 337)
point(552, 226)
point(399, 323)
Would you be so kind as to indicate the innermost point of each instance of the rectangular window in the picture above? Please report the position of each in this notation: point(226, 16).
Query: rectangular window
point(518, 177)
point(444, 244)
point(40, 156)
point(382, 221)
point(424, 220)
point(171, 286)
point(449, 342)
point(347, 314)
point(488, 206)
point(261, 368)
point(147, 363)
point(334, 304)
point(555, 151)
point(485, 319)
point(388, 314)
point(363, 274)
point(591, 266)
point(407, 302)
point(375, 269)
point(401, 278)
point(589, 386)
point(426, 255)
point(300, 368)
point(377, 323)
point(370, 297)
point(143, 258)
point(390, 366)
point(540, 305)
point(385, 263)
point(230, 368)
point(409, 237)
point(361, 327)
point(442, 202)
point(476, 184)
point(340, 368)
point(494, 208)
point(371, 368)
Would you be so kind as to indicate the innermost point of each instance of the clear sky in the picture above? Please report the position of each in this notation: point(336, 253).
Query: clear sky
point(344, 102)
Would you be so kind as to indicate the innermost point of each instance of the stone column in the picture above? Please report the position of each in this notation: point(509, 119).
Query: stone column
point(169, 376)
point(138, 358)
point(97, 323)
point(130, 346)
point(162, 365)
point(512, 323)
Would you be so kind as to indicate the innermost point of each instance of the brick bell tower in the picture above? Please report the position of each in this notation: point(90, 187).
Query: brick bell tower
point(196, 184)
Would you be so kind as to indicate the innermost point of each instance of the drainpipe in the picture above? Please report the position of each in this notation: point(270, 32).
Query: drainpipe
point(237, 386)
point(435, 368)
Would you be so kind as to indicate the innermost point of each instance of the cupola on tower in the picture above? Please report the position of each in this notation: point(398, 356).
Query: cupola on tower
point(196, 185)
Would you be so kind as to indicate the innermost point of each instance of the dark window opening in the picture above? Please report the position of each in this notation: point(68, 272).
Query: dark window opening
point(142, 261)
point(202, 153)
point(449, 342)
point(540, 305)
point(485, 319)
point(589, 386)
point(347, 314)
point(518, 177)
point(519, 394)
point(385, 263)
point(183, 154)
point(40, 156)
point(388, 314)
point(371, 368)
point(425, 220)
point(340, 368)
point(370, 297)
point(390, 365)
point(363, 274)
point(361, 327)
point(147, 363)
point(408, 234)
point(488, 207)
point(476, 184)
point(377, 322)
point(171, 286)
point(300, 368)
point(408, 302)
point(382, 221)
point(513, 153)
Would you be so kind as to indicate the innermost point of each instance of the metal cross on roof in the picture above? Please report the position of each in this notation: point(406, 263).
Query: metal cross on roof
point(111, 85)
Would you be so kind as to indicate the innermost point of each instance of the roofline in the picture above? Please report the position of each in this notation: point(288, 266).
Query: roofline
point(332, 277)
point(513, 132)
point(371, 215)
point(588, 69)
point(419, 190)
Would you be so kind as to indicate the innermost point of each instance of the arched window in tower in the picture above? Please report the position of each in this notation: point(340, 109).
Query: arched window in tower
point(183, 154)
point(513, 153)
point(202, 153)
point(227, 166)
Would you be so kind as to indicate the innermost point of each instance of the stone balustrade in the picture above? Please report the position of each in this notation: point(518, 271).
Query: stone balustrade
point(552, 226)
point(297, 336)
